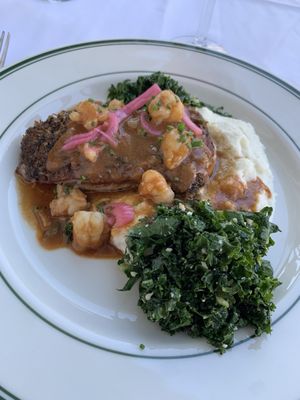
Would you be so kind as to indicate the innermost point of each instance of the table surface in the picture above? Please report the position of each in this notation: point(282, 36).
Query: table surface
point(265, 33)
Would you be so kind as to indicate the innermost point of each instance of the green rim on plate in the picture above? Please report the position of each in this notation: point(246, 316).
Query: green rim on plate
point(52, 53)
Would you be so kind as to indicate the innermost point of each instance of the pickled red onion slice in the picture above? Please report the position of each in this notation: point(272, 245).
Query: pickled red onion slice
point(79, 139)
point(111, 128)
point(138, 102)
point(191, 125)
point(147, 125)
point(119, 214)
point(107, 131)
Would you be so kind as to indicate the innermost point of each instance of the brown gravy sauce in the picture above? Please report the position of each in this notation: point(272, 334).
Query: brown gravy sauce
point(135, 153)
point(35, 198)
point(226, 191)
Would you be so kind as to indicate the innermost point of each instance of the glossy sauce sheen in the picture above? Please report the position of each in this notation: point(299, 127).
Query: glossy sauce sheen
point(136, 152)
point(226, 191)
point(38, 196)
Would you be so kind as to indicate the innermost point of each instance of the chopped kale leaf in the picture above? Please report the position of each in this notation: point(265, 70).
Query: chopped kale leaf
point(202, 271)
point(128, 90)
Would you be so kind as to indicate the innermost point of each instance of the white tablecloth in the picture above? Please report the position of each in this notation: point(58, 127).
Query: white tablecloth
point(263, 32)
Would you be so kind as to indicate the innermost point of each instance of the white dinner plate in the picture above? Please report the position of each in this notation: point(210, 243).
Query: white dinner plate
point(66, 331)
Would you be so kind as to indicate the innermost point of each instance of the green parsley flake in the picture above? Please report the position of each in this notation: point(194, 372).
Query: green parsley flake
point(196, 143)
point(111, 152)
point(156, 106)
point(68, 231)
point(182, 138)
point(67, 189)
point(100, 207)
point(181, 127)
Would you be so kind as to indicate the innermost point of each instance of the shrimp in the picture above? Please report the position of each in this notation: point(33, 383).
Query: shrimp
point(166, 107)
point(67, 202)
point(89, 230)
point(115, 104)
point(173, 149)
point(91, 152)
point(155, 187)
point(89, 114)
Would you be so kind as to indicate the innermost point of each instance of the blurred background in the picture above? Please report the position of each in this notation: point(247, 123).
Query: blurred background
point(263, 32)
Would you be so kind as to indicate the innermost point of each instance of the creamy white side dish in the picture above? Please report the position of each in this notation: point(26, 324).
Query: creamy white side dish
point(237, 142)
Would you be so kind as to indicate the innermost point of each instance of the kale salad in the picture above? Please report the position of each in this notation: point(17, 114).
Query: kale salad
point(202, 271)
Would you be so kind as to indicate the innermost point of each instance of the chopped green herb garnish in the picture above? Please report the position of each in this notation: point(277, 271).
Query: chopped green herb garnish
point(111, 152)
point(69, 231)
point(196, 143)
point(100, 207)
point(202, 271)
point(83, 178)
point(141, 131)
point(182, 138)
point(67, 189)
point(181, 126)
point(156, 106)
point(142, 346)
